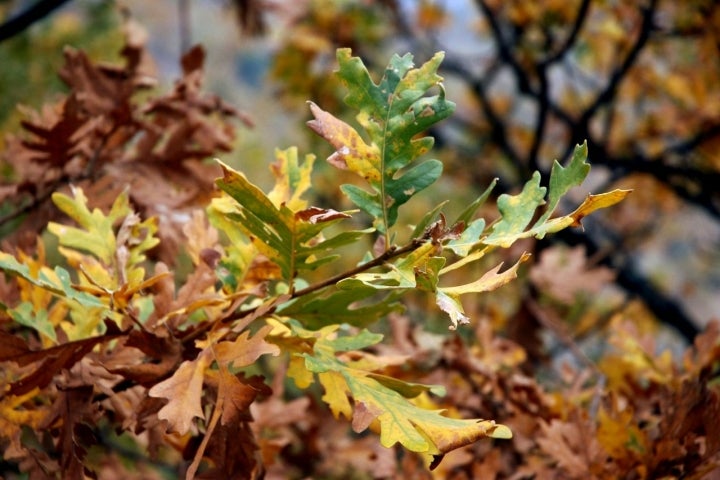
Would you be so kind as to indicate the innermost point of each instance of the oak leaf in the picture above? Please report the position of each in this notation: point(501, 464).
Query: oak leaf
point(564, 274)
point(393, 112)
point(384, 400)
point(244, 350)
point(183, 391)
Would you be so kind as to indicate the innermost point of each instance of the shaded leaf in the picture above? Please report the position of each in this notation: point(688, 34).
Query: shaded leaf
point(357, 306)
point(53, 359)
point(466, 216)
point(400, 275)
point(25, 314)
point(237, 395)
point(71, 411)
point(562, 179)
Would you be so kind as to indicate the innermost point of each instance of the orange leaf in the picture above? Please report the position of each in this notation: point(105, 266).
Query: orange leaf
point(596, 202)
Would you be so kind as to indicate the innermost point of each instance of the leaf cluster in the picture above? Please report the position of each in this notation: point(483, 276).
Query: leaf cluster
point(178, 362)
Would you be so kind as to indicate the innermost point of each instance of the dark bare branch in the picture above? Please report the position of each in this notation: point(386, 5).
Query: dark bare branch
point(26, 18)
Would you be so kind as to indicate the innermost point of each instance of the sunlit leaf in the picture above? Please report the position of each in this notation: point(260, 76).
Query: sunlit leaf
point(596, 202)
point(448, 298)
point(291, 239)
point(59, 285)
point(468, 239)
point(244, 351)
point(96, 234)
point(386, 399)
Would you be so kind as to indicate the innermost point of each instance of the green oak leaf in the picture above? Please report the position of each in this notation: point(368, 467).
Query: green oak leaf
point(393, 113)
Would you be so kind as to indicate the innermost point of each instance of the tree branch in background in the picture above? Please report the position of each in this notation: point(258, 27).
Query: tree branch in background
point(25, 19)
point(608, 93)
point(498, 128)
point(572, 36)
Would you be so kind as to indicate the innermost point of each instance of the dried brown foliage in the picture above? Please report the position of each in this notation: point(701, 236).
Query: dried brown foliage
point(141, 390)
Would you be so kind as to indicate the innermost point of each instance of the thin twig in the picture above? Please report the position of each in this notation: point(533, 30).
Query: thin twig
point(268, 308)
point(610, 90)
point(572, 36)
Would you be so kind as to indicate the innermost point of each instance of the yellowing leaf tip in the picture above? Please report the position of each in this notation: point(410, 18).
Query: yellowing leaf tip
point(500, 431)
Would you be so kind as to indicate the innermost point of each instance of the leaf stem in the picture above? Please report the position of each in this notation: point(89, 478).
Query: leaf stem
point(383, 200)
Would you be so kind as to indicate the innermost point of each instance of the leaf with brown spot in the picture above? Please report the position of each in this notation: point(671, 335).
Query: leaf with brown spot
point(352, 153)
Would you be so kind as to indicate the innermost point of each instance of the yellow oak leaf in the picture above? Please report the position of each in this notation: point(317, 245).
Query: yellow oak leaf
point(336, 390)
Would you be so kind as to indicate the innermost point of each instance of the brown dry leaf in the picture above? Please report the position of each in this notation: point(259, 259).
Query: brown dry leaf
point(183, 391)
point(233, 453)
point(70, 412)
point(572, 445)
point(100, 139)
point(564, 273)
point(706, 349)
point(55, 142)
point(343, 455)
point(53, 359)
point(144, 357)
point(197, 292)
point(276, 421)
point(245, 351)
point(238, 393)
point(689, 431)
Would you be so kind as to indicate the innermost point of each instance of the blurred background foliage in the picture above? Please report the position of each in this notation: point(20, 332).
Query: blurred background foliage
point(640, 80)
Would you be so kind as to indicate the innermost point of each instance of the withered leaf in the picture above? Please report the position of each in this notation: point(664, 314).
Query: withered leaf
point(245, 351)
point(233, 452)
point(70, 411)
point(238, 393)
point(363, 415)
point(317, 215)
point(53, 359)
point(183, 391)
point(161, 355)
